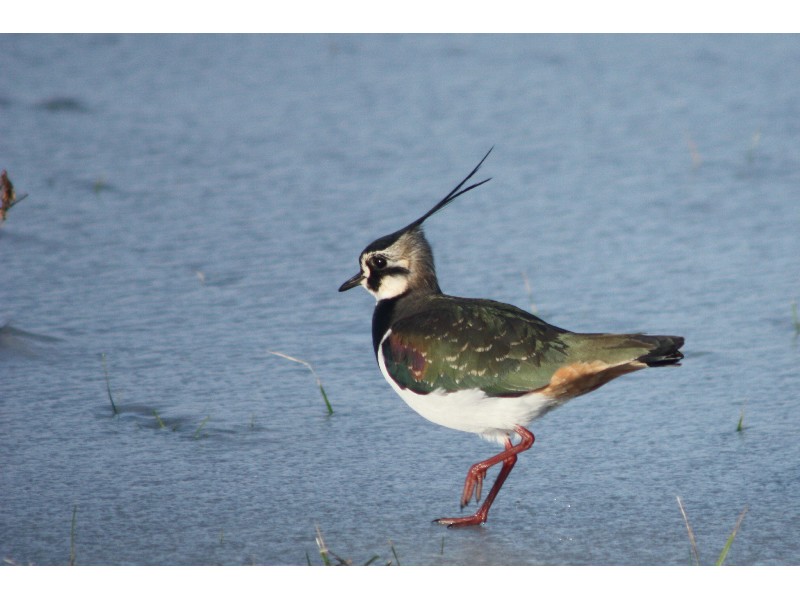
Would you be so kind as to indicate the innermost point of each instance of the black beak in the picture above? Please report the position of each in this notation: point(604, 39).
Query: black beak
point(352, 282)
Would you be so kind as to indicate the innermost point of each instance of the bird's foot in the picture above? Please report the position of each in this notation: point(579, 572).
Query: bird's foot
point(479, 518)
point(473, 486)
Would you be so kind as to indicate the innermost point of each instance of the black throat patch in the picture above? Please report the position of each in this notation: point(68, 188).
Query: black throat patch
point(382, 320)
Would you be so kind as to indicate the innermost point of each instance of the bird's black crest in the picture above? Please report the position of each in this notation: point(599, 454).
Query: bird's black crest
point(388, 240)
point(454, 193)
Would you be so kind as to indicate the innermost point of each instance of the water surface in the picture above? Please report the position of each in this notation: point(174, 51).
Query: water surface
point(195, 202)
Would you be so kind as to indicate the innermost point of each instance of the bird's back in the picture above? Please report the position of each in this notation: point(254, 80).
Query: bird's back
point(447, 343)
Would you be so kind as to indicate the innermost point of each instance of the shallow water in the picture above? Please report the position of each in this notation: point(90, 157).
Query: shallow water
point(195, 202)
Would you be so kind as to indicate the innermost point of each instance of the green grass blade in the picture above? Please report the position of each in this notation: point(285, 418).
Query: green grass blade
point(161, 423)
point(313, 372)
point(723, 555)
point(740, 424)
point(323, 549)
point(394, 552)
point(108, 385)
point(325, 397)
point(200, 427)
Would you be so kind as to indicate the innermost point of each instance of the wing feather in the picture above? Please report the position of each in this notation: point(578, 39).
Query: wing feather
point(477, 344)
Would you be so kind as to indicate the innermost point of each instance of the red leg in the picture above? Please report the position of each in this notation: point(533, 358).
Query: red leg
point(477, 473)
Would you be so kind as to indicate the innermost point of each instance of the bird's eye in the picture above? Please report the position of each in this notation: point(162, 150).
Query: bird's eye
point(379, 262)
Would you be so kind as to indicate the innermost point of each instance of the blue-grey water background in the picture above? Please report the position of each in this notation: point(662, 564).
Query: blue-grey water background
point(195, 202)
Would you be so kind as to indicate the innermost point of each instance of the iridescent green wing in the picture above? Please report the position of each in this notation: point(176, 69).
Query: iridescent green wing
point(473, 344)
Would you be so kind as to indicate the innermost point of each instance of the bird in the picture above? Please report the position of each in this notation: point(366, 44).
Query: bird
point(482, 366)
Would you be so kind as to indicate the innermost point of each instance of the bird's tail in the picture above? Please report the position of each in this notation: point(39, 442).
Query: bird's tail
point(665, 350)
point(635, 349)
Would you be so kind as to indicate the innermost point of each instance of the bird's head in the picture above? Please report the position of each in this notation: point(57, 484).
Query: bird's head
point(403, 261)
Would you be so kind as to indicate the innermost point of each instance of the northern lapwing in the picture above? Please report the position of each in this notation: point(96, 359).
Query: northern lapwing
point(478, 365)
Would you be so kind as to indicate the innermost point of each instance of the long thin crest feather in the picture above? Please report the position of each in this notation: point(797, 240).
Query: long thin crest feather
point(454, 193)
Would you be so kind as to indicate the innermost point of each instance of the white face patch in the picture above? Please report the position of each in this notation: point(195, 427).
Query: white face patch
point(390, 285)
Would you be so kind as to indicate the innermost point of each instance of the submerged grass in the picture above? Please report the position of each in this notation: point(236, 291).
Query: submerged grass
point(313, 372)
point(795, 320)
point(159, 421)
point(693, 541)
point(329, 558)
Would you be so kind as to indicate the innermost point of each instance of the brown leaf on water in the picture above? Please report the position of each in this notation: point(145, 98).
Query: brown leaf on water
point(7, 191)
point(8, 197)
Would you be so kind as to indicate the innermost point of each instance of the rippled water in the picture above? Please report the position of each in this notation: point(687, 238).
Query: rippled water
point(194, 202)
